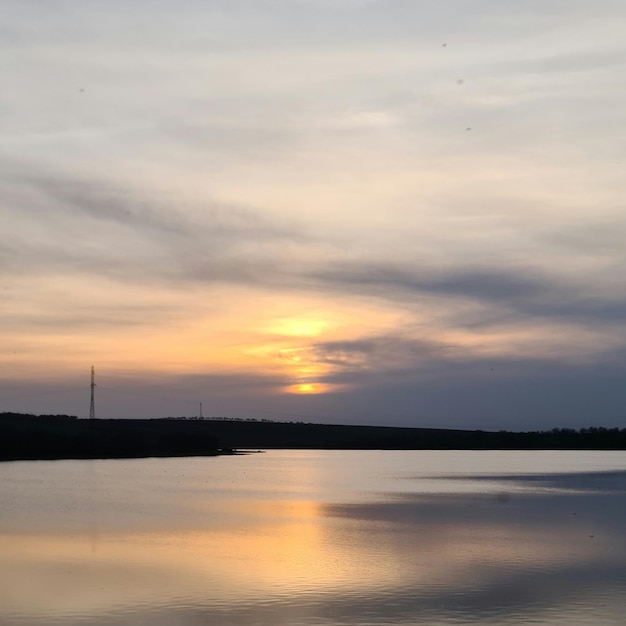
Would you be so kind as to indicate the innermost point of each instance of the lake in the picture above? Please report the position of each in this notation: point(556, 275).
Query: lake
point(313, 537)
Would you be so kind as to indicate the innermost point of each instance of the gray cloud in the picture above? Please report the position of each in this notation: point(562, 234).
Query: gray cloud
point(521, 291)
point(92, 316)
point(147, 215)
point(390, 354)
point(103, 229)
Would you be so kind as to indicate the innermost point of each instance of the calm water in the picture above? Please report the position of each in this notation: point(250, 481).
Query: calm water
point(316, 537)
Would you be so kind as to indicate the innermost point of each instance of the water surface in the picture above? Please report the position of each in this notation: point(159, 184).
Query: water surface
point(316, 537)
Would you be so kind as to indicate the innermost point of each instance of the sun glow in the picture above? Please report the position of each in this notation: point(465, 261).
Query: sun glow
point(297, 344)
point(299, 327)
point(308, 388)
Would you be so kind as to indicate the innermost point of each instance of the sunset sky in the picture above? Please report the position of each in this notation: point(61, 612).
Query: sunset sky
point(394, 212)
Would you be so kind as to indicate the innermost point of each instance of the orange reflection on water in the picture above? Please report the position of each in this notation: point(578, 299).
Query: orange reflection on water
point(270, 551)
point(280, 547)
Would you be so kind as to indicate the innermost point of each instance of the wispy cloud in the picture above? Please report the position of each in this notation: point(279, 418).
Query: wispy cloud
point(513, 291)
point(100, 229)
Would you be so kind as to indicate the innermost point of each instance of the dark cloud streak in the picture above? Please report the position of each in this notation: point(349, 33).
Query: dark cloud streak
point(106, 230)
point(519, 291)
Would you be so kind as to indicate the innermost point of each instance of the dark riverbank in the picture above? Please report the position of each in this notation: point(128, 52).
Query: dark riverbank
point(64, 437)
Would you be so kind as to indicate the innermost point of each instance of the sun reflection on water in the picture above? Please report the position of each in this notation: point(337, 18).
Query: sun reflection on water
point(259, 540)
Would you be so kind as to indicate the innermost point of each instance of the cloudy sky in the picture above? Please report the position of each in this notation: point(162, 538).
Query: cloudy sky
point(396, 212)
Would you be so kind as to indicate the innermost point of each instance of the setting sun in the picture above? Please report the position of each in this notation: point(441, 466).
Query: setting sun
point(308, 388)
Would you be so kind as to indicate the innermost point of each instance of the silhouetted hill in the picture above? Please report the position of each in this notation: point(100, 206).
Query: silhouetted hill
point(62, 436)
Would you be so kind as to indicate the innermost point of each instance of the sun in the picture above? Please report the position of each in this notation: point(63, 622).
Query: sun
point(307, 388)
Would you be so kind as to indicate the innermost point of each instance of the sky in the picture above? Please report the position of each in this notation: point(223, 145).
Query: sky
point(392, 212)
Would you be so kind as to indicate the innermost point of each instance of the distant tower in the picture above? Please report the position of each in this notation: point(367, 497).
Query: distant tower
point(201, 416)
point(92, 406)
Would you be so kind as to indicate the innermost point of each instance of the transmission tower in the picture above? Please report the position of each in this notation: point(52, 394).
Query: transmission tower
point(92, 406)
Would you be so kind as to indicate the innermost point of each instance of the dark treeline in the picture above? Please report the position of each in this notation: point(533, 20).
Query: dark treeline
point(263, 434)
point(66, 437)
point(62, 436)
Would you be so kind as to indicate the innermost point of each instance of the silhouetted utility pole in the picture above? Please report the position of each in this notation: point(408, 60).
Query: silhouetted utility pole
point(201, 416)
point(92, 406)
